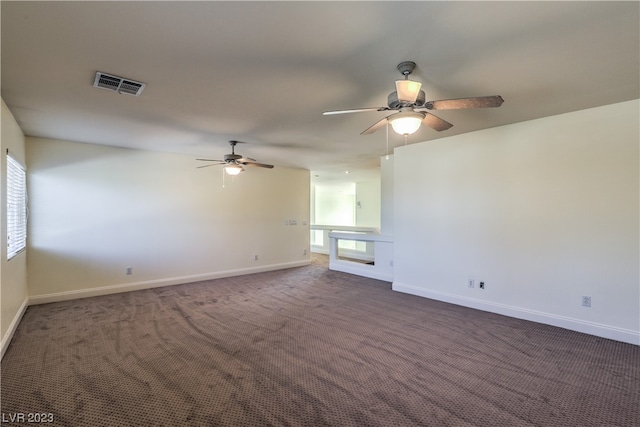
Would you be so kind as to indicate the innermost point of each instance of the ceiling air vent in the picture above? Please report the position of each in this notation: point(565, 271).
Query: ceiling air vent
point(118, 84)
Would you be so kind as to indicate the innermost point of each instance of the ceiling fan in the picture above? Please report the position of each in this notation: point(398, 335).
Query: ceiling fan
point(234, 162)
point(411, 107)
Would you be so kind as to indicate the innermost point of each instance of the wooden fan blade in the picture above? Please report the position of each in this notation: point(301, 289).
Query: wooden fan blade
point(408, 90)
point(355, 110)
point(260, 165)
point(464, 103)
point(210, 160)
point(375, 127)
point(435, 122)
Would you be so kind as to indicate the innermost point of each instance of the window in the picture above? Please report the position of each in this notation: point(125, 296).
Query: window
point(16, 207)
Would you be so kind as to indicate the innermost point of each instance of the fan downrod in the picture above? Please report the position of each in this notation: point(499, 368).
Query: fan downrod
point(233, 156)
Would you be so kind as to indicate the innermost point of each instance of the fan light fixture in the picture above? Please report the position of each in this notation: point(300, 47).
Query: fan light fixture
point(406, 123)
point(233, 169)
point(408, 90)
point(409, 104)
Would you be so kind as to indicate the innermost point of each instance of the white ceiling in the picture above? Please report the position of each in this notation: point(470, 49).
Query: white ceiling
point(263, 72)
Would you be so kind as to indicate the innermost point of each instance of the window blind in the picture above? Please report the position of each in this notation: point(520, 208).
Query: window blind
point(16, 207)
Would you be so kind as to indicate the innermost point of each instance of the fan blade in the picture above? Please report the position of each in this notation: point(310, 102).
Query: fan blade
point(408, 90)
point(435, 122)
point(245, 159)
point(206, 166)
point(463, 103)
point(356, 110)
point(260, 165)
point(210, 160)
point(376, 126)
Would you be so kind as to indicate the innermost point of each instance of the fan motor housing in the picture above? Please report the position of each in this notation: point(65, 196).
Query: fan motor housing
point(231, 157)
point(394, 103)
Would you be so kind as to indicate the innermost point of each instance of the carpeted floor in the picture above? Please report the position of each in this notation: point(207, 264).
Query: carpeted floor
point(307, 347)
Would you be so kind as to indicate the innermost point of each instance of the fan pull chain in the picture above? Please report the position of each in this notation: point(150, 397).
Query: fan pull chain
point(223, 174)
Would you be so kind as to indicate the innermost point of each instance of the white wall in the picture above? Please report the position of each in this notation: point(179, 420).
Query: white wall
point(335, 204)
point(386, 195)
point(368, 203)
point(544, 212)
point(348, 202)
point(13, 274)
point(96, 210)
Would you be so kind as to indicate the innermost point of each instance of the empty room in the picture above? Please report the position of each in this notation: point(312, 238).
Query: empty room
point(308, 213)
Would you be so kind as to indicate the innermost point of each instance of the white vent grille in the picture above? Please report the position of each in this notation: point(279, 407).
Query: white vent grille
point(118, 84)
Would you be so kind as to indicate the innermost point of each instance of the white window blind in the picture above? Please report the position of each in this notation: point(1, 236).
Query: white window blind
point(16, 207)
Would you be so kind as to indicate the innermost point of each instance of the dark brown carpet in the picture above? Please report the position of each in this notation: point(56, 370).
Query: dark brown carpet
point(308, 347)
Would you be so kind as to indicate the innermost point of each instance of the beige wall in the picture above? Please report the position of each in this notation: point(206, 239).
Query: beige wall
point(96, 210)
point(544, 212)
point(13, 274)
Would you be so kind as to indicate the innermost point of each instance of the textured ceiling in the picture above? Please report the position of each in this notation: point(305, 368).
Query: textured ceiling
point(263, 72)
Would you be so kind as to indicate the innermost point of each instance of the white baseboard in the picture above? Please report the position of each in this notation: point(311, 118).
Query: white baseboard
point(592, 328)
point(359, 269)
point(6, 339)
point(148, 284)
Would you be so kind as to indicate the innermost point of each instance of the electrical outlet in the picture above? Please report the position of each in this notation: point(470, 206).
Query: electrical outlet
point(471, 283)
point(481, 285)
point(129, 270)
point(586, 301)
point(304, 252)
point(255, 257)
